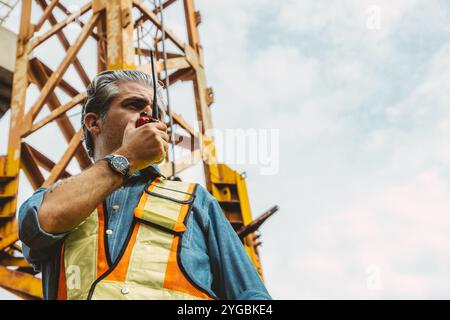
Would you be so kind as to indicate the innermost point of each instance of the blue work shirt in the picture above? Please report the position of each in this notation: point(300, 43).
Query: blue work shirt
point(212, 254)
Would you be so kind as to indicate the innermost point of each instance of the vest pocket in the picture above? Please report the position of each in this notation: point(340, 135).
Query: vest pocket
point(163, 213)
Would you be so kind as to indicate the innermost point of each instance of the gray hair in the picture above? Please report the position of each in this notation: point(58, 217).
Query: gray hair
point(103, 90)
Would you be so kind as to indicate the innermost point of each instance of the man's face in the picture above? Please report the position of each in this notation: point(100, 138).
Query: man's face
point(133, 99)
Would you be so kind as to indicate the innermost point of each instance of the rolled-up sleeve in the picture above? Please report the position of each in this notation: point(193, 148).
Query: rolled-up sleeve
point(235, 275)
point(37, 244)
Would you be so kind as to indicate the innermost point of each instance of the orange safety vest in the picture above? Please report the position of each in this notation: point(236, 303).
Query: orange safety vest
point(148, 266)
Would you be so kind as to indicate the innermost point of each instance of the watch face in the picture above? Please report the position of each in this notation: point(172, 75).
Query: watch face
point(120, 163)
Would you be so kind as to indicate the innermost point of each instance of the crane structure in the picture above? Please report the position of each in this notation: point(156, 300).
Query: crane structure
point(122, 33)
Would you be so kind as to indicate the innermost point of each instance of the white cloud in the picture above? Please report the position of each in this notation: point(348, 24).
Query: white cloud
point(333, 17)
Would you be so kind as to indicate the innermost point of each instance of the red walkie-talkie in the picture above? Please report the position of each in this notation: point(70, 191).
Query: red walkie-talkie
point(144, 117)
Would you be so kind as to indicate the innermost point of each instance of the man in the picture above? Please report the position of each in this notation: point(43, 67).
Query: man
point(119, 229)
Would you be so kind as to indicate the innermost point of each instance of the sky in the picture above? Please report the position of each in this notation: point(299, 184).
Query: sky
point(354, 95)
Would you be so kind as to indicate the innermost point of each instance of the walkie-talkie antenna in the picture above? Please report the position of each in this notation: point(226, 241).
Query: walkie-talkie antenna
point(155, 111)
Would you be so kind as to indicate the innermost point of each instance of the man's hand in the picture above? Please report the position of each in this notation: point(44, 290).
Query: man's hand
point(144, 145)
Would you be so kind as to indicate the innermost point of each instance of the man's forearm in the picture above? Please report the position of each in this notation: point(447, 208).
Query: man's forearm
point(68, 202)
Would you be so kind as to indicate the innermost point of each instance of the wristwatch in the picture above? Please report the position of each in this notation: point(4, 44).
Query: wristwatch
point(119, 164)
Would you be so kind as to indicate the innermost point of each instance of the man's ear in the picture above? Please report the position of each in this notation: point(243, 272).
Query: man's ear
point(92, 122)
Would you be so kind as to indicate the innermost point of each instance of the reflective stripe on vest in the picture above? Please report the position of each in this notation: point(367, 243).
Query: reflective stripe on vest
point(148, 266)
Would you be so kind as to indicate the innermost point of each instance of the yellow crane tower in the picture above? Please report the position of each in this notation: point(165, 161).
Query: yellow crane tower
point(119, 35)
